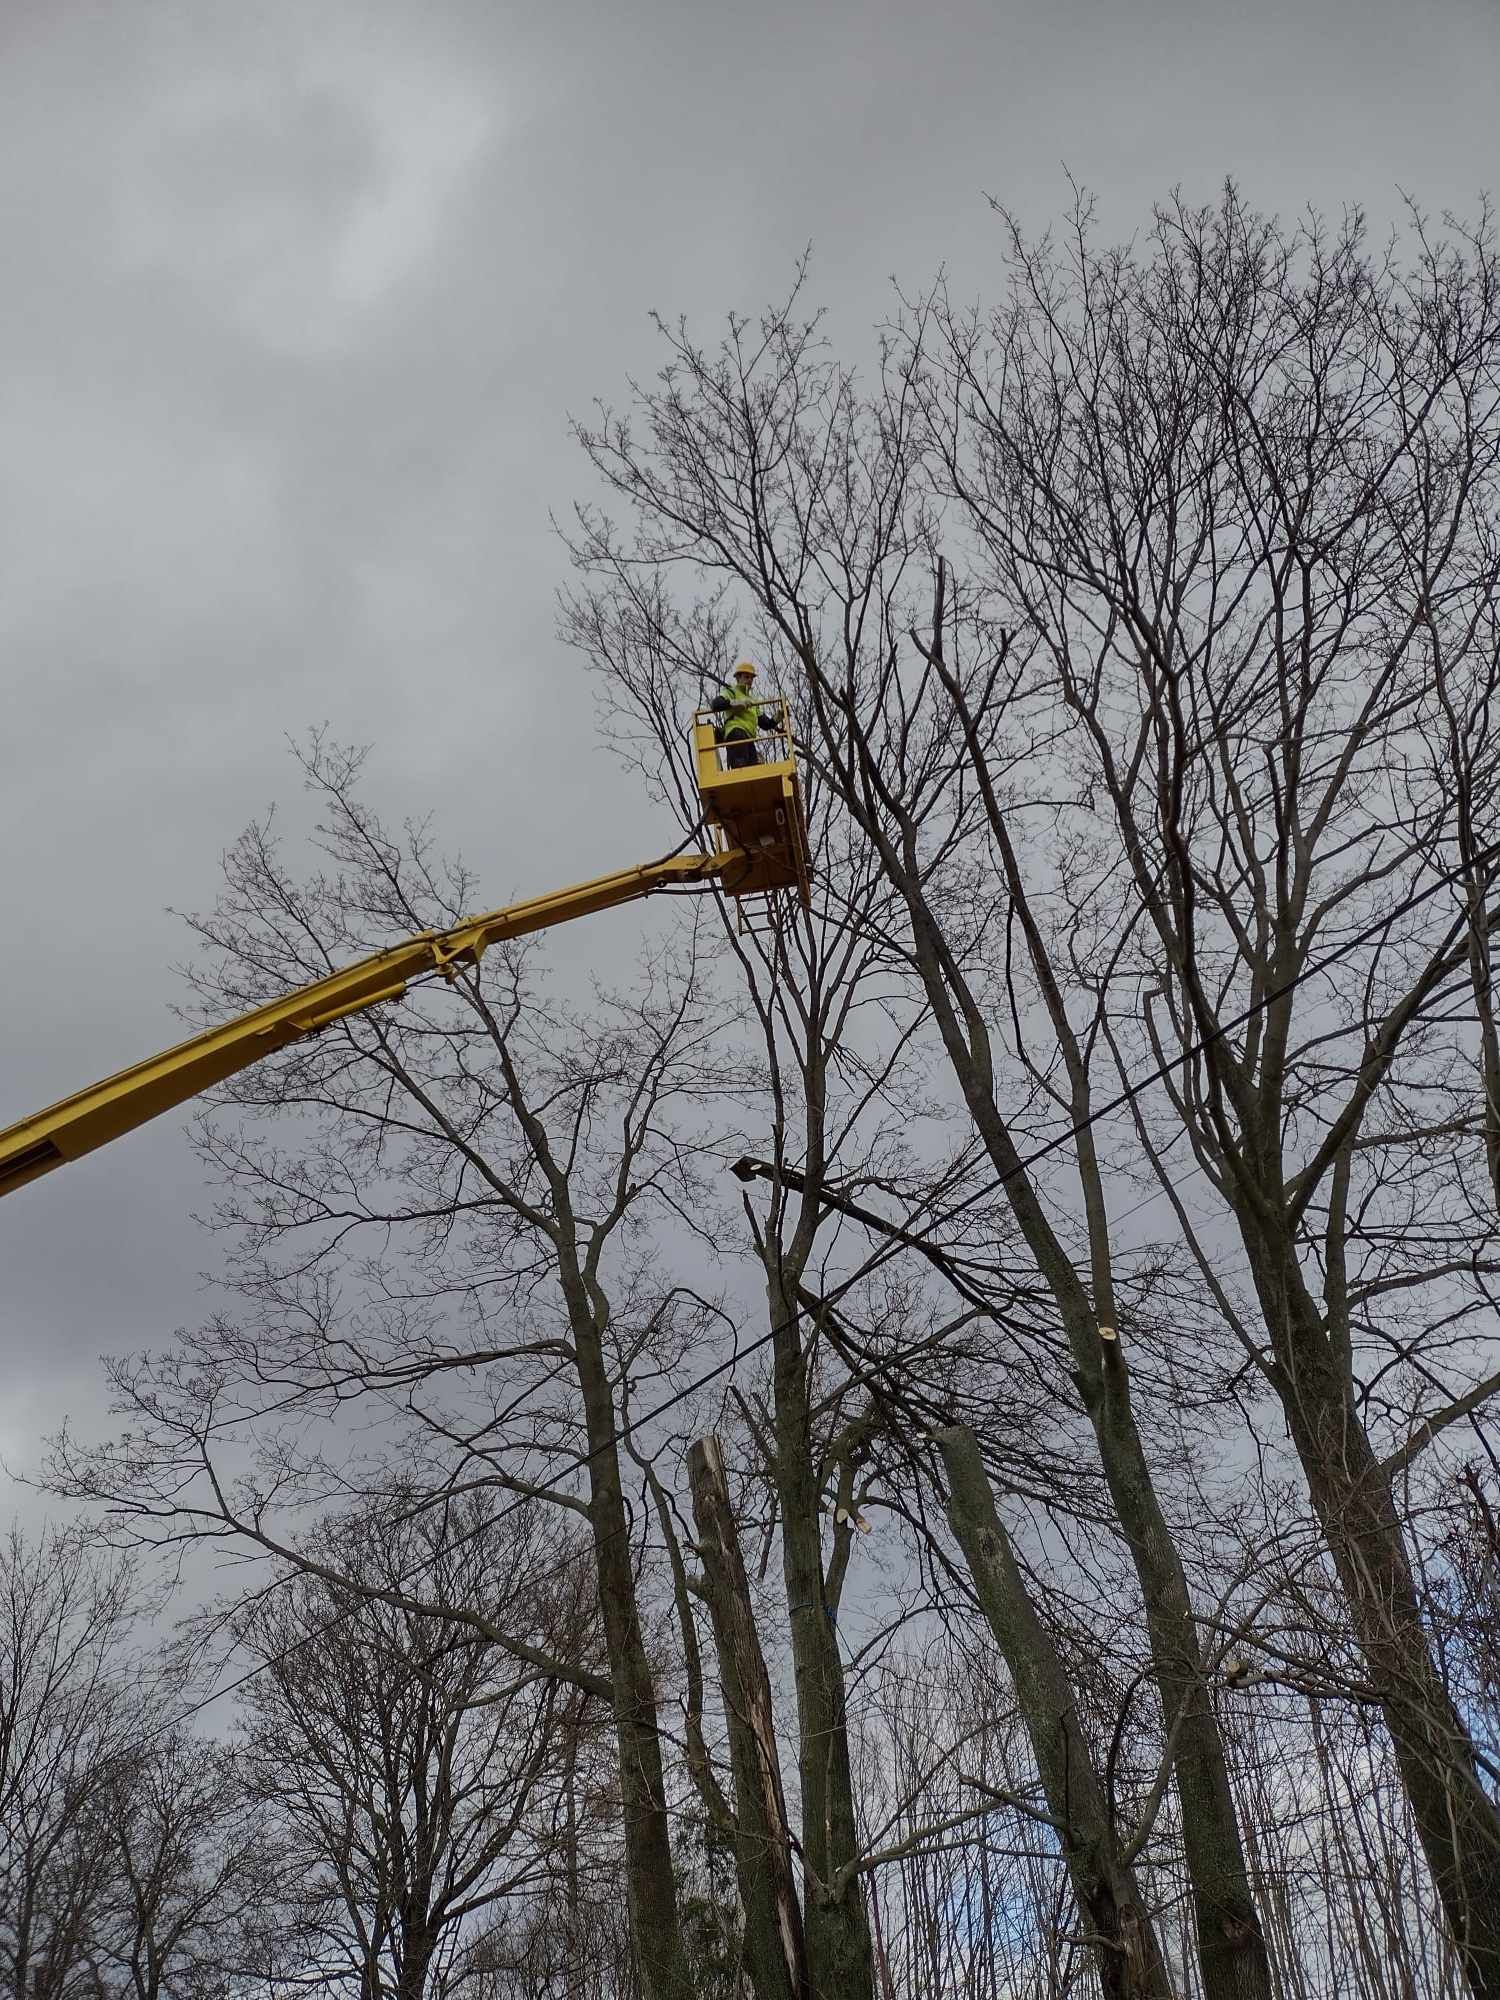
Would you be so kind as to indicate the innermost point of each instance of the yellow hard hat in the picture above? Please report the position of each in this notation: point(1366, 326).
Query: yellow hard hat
point(744, 670)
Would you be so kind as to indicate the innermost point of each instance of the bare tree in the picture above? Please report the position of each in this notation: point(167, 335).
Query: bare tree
point(1099, 1862)
point(409, 1767)
point(763, 470)
point(452, 1230)
point(817, 1083)
point(66, 1621)
point(1242, 492)
point(833, 1065)
point(190, 1880)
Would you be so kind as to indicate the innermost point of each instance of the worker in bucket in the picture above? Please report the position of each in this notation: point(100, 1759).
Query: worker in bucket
point(740, 717)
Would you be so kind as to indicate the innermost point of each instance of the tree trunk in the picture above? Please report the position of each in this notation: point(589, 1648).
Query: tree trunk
point(839, 1954)
point(416, 1961)
point(1231, 1949)
point(1125, 1948)
point(775, 1950)
point(1457, 1822)
point(650, 1881)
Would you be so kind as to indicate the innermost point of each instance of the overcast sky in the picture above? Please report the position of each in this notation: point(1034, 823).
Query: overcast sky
point(295, 300)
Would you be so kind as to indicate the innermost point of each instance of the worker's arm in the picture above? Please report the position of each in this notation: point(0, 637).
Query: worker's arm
point(107, 1110)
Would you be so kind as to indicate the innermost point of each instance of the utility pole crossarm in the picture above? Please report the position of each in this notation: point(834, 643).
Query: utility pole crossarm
point(107, 1110)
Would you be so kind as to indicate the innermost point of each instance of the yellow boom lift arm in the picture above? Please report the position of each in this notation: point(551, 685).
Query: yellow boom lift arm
point(760, 848)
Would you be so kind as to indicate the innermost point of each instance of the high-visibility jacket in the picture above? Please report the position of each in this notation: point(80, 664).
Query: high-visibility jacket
point(742, 717)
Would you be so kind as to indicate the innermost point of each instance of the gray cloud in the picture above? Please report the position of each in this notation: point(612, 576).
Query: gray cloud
point(296, 302)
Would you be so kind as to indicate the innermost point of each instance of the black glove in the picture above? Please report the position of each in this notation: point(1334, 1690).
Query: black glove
point(769, 721)
point(720, 703)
